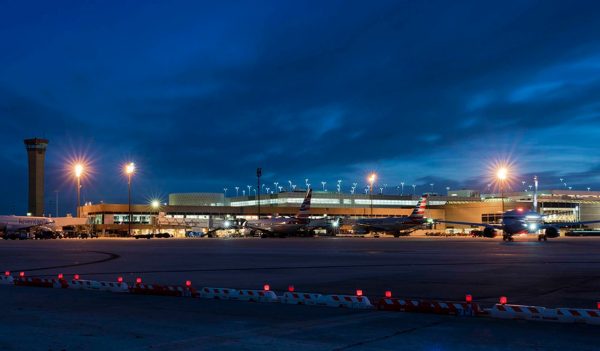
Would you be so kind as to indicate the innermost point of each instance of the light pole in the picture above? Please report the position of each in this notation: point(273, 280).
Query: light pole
point(447, 190)
point(249, 191)
point(56, 191)
point(402, 188)
point(258, 174)
point(414, 189)
point(293, 187)
point(280, 188)
point(339, 186)
point(289, 181)
point(225, 191)
point(237, 191)
point(78, 172)
point(129, 170)
point(155, 204)
point(276, 185)
point(323, 183)
point(502, 174)
point(431, 184)
point(372, 178)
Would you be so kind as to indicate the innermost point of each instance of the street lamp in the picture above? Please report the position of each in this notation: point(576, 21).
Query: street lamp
point(431, 184)
point(289, 181)
point(155, 204)
point(323, 183)
point(78, 172)
point(237, 191)
point(225, 191)
point(402, 188)
point(501, 175)
point(129, 170)
point(414, 189)
point(372, 178)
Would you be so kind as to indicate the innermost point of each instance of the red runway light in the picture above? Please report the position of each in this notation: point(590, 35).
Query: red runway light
point(291, 288)
point(469, 298)
point(138, 280)
point(120, 279)
point(359, 293)
point(598, 305)
point(266, 287)
point(7, 273)
point(76, 277)
point(388, 294)
point(188, 283)
point(60, 275)
point(22, 274)
point(503, 300)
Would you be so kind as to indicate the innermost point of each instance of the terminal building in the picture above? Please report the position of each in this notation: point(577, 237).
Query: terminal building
point(202, 211)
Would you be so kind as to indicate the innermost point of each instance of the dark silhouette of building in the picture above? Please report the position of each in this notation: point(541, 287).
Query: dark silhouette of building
point(36, 153)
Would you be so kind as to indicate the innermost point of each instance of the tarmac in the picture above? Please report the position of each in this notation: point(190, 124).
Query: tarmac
point(558, 273)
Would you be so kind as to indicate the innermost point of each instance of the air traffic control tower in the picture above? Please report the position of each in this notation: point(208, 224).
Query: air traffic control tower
point(36, 153)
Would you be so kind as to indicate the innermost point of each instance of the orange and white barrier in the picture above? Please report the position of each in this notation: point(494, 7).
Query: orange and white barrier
point(162, 290)
point(451, 308)
point(98, 285)
point(257, 295)
point(300, 298)
point(395, 304)
point(7, 280)
point(40, 282)
point(578, 315)
point(519, 312)
point(218, 293)
point(349, 301)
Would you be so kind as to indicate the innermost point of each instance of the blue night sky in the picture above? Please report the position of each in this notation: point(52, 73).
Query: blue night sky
point(200, 94)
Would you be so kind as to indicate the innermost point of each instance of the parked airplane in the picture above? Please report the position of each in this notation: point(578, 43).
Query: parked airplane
point(12, 224)
point(520, 221)
point(395, 225)
point(284, 226)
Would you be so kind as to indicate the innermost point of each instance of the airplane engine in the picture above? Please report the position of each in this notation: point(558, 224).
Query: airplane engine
point(552, 232)
point(489, 232)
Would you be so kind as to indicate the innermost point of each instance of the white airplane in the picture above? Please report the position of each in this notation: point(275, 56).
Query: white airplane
point(520, 221)
point(13, 224)
point(284, 226)
point(395, 225)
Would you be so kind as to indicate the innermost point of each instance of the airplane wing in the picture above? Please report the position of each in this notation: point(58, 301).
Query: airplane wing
point(567, 224)
point(497, 226)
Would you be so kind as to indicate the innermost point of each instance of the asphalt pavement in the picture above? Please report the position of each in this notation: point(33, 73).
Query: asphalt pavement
point(560, 272)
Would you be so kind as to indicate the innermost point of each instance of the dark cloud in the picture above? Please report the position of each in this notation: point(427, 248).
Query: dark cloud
point(199, 95)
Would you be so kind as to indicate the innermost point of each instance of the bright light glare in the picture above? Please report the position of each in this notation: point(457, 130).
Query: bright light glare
point(130, 168)
point(155, 204)
point(78, 170)
point(502, 173)
point(372, 178)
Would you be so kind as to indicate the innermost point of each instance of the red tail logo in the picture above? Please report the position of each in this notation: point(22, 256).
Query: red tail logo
point(419, 210)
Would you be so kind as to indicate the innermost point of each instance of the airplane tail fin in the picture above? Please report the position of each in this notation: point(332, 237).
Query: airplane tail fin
point(304, 211)
point(419, 210)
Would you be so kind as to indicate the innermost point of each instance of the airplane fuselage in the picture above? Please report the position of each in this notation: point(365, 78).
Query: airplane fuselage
point(15, 223)
point(389, 224)
point(522, 222)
